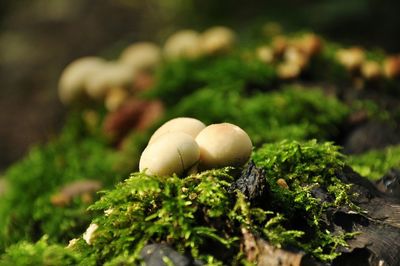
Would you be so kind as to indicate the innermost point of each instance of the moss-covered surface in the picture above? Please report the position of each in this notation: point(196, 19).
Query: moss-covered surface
point(199, 215)
point(374, 164)
point(26, 211)
point(39, 253)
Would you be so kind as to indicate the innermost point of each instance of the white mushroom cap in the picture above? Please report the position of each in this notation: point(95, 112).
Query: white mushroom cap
point(190, 126)
point(183, 44)
point(217, 40)
point(223, 145)
point(173, 152)
point(73, 78)
point(109, 76)
point(141, 56)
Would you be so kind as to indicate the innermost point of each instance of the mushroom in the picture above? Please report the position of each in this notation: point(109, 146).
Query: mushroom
point(141, 56)
point(391, 66)
point(310, 44)
point(217, 40)
point(294, 56)
point(223, 145)
point(371, 70)
point(171, 153)
point(288, 70)
point(74, 77)
point(279, 44)
point(111, 75)
point(190, 126)
point(351, 58)
point(282, 183)
point(183, 44)
point(265, 54)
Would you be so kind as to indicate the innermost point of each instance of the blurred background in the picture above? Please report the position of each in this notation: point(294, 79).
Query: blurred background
point(38, 38)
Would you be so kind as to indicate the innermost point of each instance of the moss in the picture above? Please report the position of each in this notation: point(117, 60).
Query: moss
point(291, 113)
point(376, 163)
point(180, 78)
point(26, 211)
point(198, 215)
point(39, 253)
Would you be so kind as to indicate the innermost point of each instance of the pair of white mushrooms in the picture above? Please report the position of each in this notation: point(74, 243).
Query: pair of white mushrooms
point(184, 144)
point(192, 44)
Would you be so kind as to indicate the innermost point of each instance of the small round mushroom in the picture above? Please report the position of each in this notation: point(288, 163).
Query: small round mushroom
point(279, 44)
point(309, 43)
point(73, 79)
point(111, 75)
point(171, 153)
point(371, 70)
point(141, 56)
point(391, 66)
point(217, 40)
point(183, 44)
point(223, 145)
point(265, 54)
point(288, 70)
point(282, 183)
point(188, 125)
point(351, 58)
point(295, 56)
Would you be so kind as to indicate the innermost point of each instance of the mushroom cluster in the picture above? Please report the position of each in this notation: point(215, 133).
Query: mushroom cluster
point(360, 67)
point(117, 84)
point(113, 82)
point(110, 82)
point(291, 55)
point(184, 144)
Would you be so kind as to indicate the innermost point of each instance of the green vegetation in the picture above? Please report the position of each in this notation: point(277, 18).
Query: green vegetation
point(197, 212)
point(26, 211)
point(39, 253)
point(291, 113)
point(374, 164)
point(198, 215)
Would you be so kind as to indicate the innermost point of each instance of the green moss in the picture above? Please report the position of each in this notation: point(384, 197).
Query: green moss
point(291, 113)
point(198, 215)
point(26, 212)
point(374, 164)
point(39, 253)
point(180, 78)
